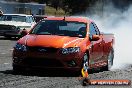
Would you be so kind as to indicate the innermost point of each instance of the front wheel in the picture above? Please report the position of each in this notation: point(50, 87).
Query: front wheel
point(18, 69)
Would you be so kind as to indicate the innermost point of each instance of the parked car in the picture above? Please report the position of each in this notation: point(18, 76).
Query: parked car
point(12, 25)
point(40, 17)
point(70, 43)
point(37, 18)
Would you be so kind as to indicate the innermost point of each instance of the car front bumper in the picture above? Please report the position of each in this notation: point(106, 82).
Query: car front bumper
point(38, 60)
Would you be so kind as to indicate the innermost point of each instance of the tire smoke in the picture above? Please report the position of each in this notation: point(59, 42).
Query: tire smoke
point(120, 24)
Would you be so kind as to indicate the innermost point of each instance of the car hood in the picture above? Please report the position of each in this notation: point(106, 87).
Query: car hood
point(15, 23)
point(50, 41)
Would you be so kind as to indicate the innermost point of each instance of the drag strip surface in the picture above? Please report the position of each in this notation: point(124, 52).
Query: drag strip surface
point(8, 79)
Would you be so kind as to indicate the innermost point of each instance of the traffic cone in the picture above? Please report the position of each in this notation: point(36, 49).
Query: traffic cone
point(85, 75)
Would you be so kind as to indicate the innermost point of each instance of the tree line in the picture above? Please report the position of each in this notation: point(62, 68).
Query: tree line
point(75, 6)
point(70, 6)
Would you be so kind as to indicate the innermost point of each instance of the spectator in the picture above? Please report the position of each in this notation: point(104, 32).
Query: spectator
point(24, 32)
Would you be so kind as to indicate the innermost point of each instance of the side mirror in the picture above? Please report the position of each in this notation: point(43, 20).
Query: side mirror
point(95, 37)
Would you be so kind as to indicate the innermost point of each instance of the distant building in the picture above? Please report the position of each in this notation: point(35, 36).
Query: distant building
point(11, 7)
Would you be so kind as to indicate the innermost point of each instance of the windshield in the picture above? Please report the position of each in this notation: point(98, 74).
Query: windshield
point(13, 18)
point(62, 28)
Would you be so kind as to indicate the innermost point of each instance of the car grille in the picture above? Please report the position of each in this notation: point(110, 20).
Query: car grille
point(43, 49)
point(7, 27)
point(44, 62)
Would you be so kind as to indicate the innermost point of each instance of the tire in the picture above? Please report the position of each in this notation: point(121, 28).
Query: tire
point(8, 37)
point(17, 69)
point(110, 60)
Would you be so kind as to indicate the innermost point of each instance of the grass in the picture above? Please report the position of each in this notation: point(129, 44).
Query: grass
point(52, 11)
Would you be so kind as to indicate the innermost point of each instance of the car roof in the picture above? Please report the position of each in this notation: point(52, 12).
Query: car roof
point(18, 14)
point(71, 18)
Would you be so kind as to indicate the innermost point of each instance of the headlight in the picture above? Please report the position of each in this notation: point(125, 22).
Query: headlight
point(20, 47)
point(13, 27)
point(70, 50)
point(26, 27)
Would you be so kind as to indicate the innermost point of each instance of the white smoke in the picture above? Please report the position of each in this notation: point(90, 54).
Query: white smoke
point(120, 24)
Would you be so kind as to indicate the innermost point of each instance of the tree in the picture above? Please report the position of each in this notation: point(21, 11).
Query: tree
point(75, 6)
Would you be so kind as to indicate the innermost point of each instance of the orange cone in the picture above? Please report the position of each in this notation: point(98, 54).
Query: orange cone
point(84, 73)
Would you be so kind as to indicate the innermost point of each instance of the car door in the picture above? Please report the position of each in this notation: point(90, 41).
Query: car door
point(96, 51)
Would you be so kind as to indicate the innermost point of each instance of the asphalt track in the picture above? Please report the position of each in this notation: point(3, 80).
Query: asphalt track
point(8, 79)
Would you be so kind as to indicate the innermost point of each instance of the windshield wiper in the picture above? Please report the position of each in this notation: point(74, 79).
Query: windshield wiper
point(60, 34)
point(43, 33)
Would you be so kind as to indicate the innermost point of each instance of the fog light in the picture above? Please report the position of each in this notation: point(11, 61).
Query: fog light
point(17, 60)
point(71, 63)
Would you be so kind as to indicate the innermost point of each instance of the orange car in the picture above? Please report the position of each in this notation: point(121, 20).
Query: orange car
point(69, 43)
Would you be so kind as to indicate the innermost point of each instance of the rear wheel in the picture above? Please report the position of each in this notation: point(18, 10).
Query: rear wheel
point(110, 60)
